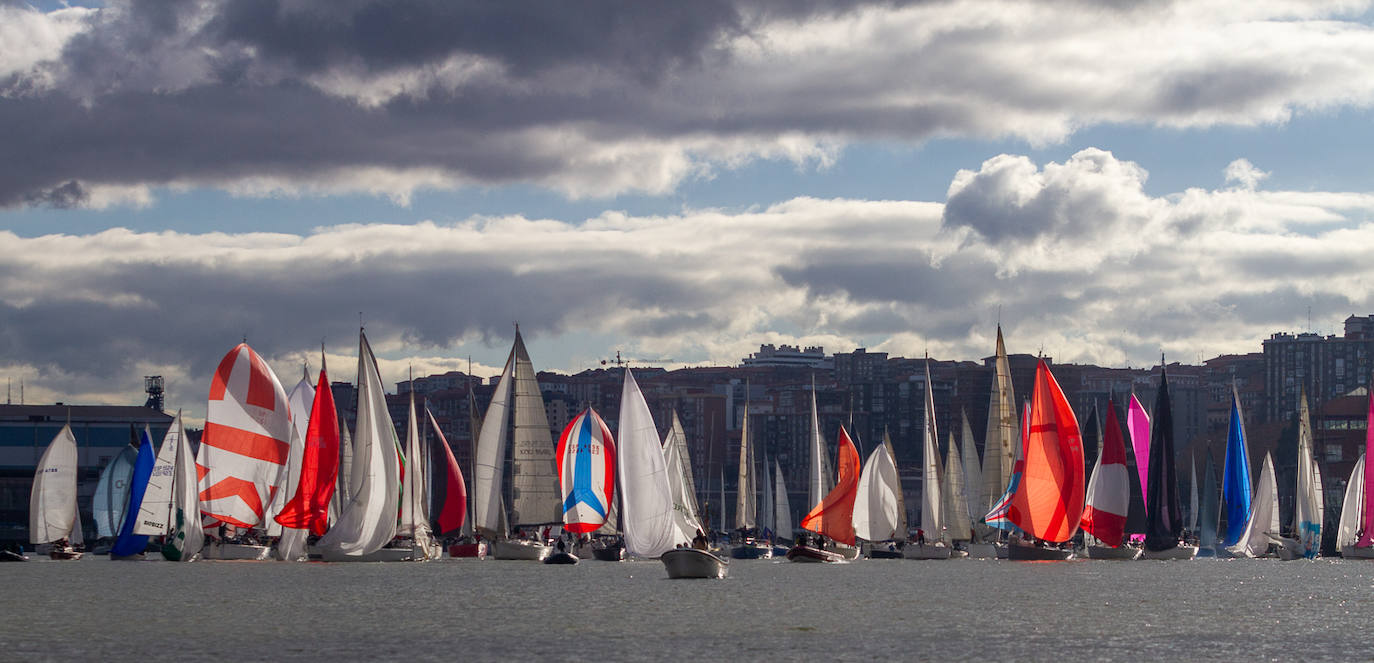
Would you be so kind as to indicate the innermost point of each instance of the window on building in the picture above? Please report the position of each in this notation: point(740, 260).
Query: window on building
point(1333, 452)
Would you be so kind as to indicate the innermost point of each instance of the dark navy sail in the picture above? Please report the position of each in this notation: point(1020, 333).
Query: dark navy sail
point(1163, 514)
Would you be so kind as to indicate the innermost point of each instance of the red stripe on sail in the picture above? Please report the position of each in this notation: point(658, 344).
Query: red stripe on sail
point(245, 443)
point(260, 390)
point(230, 487)
point(834, 516)
point(220, 382)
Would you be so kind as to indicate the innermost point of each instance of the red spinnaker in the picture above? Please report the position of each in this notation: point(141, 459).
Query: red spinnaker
point(834, 516)
point(453, 503)
point(309, 507)
point(1049, 503)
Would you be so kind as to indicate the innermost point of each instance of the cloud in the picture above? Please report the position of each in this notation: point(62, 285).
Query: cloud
point(1244, 174)
point(270, 97)
point(1078, 261)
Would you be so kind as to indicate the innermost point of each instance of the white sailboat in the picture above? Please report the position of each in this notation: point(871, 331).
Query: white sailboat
point(1001, 444)
point(414, 521)
point(1310, 504)
point(958, 525)
point(367, 522)
point(1352, 515)
point(821, 478)
point(973, 472)
point(1262, 529)
point(935, 545)
point(53, 515)
point(291, 541)
point(782, 510)
point(647, 515)
point(679, 463)
point(879, 513)
point(746, 498)
point(171, 503)
point(535, 478)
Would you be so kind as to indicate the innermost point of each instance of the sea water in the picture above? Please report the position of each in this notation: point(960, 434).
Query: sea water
point(975, 610)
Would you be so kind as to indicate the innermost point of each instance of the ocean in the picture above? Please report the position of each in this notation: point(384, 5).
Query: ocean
point(960, 610)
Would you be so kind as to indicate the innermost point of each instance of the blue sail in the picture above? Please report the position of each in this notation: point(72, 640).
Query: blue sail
point(128, 543)
point(1235, 478)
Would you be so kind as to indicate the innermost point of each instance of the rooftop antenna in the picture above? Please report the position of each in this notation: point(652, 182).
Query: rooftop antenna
point(9, 387)
point(1309, 319)
point(21, 391)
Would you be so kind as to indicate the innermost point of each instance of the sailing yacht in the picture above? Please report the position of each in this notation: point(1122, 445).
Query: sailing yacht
point(746, 499)
point(1163, 512)
point(1355, 535)
point(879, 511)
point(833, 517)
point(937, 543)
point(1108, 496)
point(535, 504)
point(53, 515)
point(1262, 528)
point(171, 505)
point(1235, 482)
point(1001, 447)
point(1310, 504)
point(1048, 503)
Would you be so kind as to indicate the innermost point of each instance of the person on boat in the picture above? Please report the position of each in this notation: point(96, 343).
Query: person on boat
point(699, 541)
point(561, 547)
point(920, 537)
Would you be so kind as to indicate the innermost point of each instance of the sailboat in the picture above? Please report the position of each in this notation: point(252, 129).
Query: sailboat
point(999, 516)
point(1235, 482)
point(1310, 504)
point(1262, 528)
point(819, 479)
point(933, 543)
point(129, 545)
point(879, 513)
point(291, 541)
point(468, 544)
point(1355, 535)
point(746, 499)
point(833, 518)
point(1001, 447)
point(367, 522)
point(413, 526)
point(53, 515)
point(697, 561)
point(1210, 510)
point(243, 450)
point(586, 472)
point(171, 505)
point(1163, 513)
point(451, 498)
point(1138, 425)
point(1108, 496)
point(647, 516)
point(782, 512)
point(973, 478)
point(536, 503)
point(317, 489)
point(1048, 503)
point(958, 525)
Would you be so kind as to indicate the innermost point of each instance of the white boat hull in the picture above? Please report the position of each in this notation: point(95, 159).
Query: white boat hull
point(927, 551)
point(231, 551)
point(694, 563)
point(520, 550)
point(1180, 552)
point(1105, 552)
point(383, 555)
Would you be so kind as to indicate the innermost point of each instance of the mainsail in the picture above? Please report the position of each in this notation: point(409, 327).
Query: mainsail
point(820, 480)
point(973, 471)
point(52, 502)
point(646, 503)
point(246, 442)
point(878, 509)
point(1263, 525)
point(1163, 514)
point(155, 512)
point(680, 481)
point(186, 534)
point(782, 506)
point(1235, 481)
point(1352, 507)
point(932, 506)
point(1002, 439)
point(1109, 492)
point(1049, 503)
point(414, 521)
point(586, 472)
point(488, 510)
point(834, 516)
point(533, 474)
point(368, 521)
point(746, 500)
point(1310, 504)
point(958, 525)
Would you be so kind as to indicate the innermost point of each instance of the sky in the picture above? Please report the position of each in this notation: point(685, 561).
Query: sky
point(674, 181)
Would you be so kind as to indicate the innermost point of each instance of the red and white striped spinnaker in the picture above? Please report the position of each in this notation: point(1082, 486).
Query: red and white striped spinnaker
point(246, 441)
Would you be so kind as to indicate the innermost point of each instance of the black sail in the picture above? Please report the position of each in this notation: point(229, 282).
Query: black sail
point(1163, 514)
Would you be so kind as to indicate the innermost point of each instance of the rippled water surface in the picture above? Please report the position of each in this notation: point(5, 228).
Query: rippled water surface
point(486, 610)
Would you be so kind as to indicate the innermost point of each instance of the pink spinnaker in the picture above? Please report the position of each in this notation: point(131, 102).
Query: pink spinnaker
point(1138, 424)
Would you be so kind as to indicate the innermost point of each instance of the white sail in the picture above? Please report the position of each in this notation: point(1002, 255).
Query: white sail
point(766, 510)
point(112, 493)
point(931, 502)
point(186, 531)
point(1307, 516)
point(1003, 431)
point(155, 512)
point(782, 517)
point(1352, 507)
point(52, 502)
point(746, 505)
point(958, 526)
point(414, 521)
point(646, 503)
point(680, 480)
point(877, 507)
point(537, 496)
point(291, 541)
point(488, 510)
point(821, 479)
point(1263, 526)
point(343, 489)
point(973, 470)
point(300, 400)
point(368, 522)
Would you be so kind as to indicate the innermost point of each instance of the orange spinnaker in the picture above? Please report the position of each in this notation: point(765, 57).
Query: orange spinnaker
point(834, 516)
point(1049, 502)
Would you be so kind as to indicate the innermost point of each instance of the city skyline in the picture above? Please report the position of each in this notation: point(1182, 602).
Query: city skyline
point(680, 183)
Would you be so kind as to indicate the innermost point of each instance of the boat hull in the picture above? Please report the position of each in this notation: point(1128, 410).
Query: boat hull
point(229, 551)
point(927, 551)
point(1024, 553)
point(477, 550)
point(687, 563)
point(409, 554)
point(1106, 552)
point(520, 550)
point(561, 558)
point(808, 554)
point(1179, 552)
point(884, 553)
point(64, 554)
point(751, 551)
point(1351, 552)
point(987, 551)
